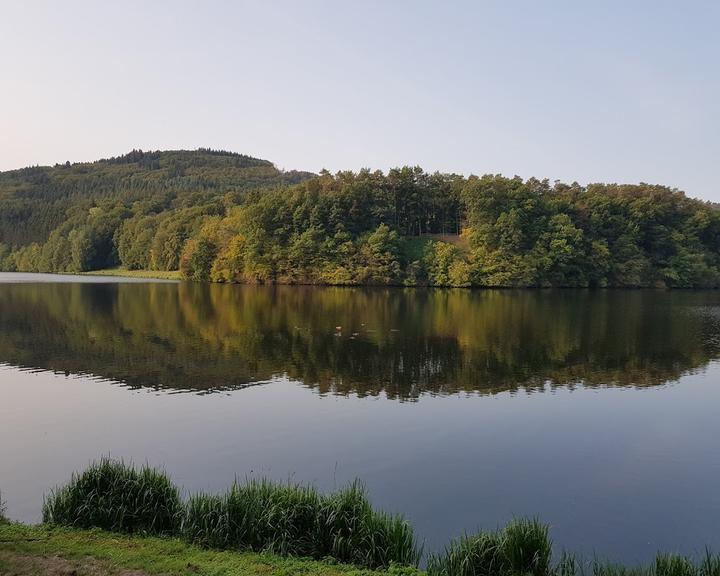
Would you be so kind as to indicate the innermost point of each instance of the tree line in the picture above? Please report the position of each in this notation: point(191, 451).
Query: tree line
point(223, 217)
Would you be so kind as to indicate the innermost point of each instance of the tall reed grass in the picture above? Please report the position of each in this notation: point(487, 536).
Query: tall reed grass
point(114, 496)
point(295, 520)
point(298, 521)
point(524, 548)
point(664, 565)
point(259, 515)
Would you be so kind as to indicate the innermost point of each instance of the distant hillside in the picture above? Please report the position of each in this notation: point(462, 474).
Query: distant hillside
point(36, 200)
point(224, 217)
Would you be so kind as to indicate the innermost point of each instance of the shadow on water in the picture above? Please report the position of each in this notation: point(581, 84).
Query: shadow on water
point(401, 343)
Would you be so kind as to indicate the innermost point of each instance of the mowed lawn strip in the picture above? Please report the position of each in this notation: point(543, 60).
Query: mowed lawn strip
point(30, 550)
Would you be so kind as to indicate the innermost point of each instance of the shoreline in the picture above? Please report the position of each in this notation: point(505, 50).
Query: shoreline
point(30, 550)
point(128, 509)
point(83, 277)
point(123, 273)
point(175, 276)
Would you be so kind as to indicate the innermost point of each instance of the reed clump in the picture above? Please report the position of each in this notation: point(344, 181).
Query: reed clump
point(298, 521)
point(524, 548)
point(259, 515)
point(115, 496)
point(664, 565)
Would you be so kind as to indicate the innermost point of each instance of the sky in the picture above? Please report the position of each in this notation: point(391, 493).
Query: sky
point(576, 90)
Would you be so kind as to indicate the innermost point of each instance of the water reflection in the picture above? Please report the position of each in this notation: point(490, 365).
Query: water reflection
point(401, 343)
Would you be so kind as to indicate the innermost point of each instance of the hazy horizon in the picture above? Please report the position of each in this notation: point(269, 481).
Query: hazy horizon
point(601, 93)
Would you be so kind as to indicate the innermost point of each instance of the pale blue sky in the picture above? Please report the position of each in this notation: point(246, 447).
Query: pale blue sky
point(621, 91)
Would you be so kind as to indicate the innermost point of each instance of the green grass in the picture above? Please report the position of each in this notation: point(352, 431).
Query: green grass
point(664, 565)
point(261, 516)
point(256, 516)
point(112, 553)
point(295, 521)
point(524, 548)
point(122, 272)
point(114, 496)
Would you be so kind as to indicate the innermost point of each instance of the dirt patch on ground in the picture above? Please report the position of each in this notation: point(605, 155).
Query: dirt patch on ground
point(18, 565)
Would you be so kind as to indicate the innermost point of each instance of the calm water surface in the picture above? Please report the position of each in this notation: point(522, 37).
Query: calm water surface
point(597, 411)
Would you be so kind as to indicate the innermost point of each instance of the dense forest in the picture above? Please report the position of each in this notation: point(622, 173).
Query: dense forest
point(224, 217)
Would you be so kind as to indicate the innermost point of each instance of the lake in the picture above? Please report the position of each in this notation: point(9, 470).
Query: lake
point(597, 411)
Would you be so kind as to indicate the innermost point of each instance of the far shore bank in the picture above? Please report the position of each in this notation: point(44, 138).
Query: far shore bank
point(177, 276)
point(124, 273)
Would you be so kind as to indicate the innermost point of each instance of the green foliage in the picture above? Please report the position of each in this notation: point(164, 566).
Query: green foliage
point(522, 547)
point(25, 551)
point(298, 521)
point(197, 259)
point(673, 565)
point(134, 240)
point(378, 257)
point(137, 210)
point(257, 516)
point(95, 551)
point(228, 218)
point(284, 519)
point(445, 265)
point(664, 565)
point(116, 497)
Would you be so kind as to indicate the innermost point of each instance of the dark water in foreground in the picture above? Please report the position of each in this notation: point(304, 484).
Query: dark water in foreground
point(597, 411)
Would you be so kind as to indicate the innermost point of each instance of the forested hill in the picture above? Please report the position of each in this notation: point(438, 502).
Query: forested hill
point(68, 216)
point(226, 217)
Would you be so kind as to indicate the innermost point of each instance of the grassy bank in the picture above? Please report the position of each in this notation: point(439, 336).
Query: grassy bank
point(55, 551)
point(124, 273)
point(33, 550)
point(251, 525)
point(259, 516)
